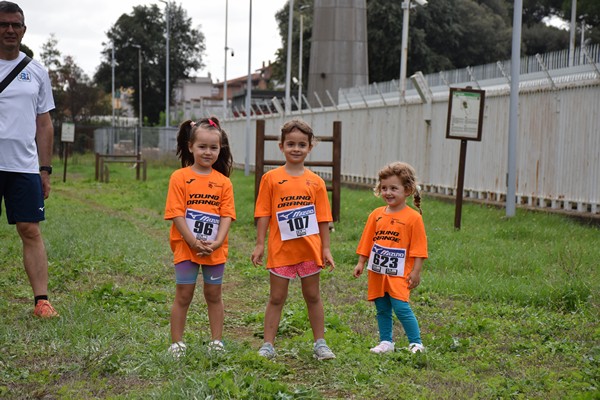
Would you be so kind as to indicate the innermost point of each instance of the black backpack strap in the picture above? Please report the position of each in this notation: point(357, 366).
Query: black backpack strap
point(9, 78)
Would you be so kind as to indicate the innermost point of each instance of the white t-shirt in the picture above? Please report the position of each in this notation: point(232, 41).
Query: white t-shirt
point(28, 95)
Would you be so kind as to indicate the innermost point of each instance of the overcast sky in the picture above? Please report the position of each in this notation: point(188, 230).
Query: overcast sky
point(80, 27)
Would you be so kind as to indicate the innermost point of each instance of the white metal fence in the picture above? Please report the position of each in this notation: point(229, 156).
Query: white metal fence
point(558, 144)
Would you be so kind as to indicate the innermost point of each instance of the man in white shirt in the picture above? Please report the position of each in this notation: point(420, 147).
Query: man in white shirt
point(26, 136)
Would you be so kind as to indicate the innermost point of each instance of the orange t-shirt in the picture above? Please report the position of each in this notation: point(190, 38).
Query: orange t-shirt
point(400, 230)
point(296, 204)
point(190, 192)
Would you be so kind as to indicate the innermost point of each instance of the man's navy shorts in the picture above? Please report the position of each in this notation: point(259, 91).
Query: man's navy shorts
point(23, 197)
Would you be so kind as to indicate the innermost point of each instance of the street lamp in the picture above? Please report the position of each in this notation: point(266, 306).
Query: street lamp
point(138, 142)
point(112, 72)
point(406, 5)
point(225, 94)
point(167, 122)
point(248, 94)
point(225, 69)
point(300, 55)
point(288, 73)
point(137, 46)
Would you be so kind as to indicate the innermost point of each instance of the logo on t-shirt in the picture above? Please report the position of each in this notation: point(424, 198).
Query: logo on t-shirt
point(283, 181)
point(396, 221)
point(24, 76)
point(190, 181)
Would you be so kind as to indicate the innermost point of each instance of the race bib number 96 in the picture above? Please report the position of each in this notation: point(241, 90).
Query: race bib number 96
point(203, 225)
point(297, 222)
point(386, 260)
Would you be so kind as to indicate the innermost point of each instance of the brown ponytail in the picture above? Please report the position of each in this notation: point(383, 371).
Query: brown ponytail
point(183, 143)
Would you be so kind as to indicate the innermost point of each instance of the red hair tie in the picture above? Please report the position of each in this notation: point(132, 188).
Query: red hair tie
point(212, 123)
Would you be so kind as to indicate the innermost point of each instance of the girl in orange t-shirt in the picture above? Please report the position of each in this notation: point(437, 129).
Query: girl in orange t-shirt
point(292, 204)
point(200, 204)
point(393, 245)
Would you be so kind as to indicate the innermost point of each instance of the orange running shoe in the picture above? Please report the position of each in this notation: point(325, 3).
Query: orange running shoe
point(44, 309)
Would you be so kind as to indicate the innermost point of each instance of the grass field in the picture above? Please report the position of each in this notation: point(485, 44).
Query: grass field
point(508, 308)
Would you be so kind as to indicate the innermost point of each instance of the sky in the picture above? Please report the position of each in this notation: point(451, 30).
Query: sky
point(80, 27)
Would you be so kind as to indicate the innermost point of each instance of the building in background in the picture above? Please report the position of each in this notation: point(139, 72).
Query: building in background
point(194, 98)
point(199, 97)
point(338, 52)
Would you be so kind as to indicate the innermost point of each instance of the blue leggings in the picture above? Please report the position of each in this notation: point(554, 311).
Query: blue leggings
point(404, 313)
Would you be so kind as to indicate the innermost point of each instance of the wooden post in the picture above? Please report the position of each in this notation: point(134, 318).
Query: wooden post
point(337, 170)
point(97, 166)
point(65, 158)
point(460, 184)
point(138, 158)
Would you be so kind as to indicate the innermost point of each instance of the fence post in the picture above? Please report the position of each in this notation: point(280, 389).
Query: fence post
point(259, 164)
point(336, 176)
point(138, 158)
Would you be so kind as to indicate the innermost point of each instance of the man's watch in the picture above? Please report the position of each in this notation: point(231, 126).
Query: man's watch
point(47, 168)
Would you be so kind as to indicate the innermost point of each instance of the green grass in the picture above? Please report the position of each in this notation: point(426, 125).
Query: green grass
point(508, 308)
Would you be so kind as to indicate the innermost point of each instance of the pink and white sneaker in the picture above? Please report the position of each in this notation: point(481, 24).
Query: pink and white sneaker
point(383, 347)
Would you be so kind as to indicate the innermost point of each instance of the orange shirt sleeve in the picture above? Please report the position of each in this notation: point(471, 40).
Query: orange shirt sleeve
point(175, 203)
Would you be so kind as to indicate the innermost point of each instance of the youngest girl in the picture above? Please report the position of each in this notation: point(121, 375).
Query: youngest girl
point(394, 245)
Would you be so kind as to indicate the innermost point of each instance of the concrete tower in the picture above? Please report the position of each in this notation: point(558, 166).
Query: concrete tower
point(338, 53)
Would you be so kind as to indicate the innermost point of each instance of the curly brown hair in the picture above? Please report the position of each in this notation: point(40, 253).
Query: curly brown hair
point(407, 175)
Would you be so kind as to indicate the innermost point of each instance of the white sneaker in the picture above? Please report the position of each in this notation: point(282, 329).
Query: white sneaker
point(383, 347)
point(321, 351)
point(177, 349)
point(416, 348)
point(216, 346)
point(267, 350)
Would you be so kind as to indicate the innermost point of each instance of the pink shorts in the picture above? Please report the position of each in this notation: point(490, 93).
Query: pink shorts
point(303, 269)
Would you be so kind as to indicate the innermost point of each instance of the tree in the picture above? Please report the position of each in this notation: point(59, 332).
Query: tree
point(75, 96)
point(146, 27)
point(590, 11)
point(303, 7)
point(26, 50)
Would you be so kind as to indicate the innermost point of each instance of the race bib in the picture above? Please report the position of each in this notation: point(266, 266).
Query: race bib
point(203, 225)
point(387, 261)
point(298, 222)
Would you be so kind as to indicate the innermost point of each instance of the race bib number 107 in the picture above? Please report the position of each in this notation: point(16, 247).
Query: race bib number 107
point(387, 261)
point(297, 222)
point(203, 225)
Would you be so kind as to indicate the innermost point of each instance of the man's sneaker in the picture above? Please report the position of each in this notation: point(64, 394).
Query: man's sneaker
point(267, 350)
point(322, 351)
point(44, 309)
point(216, 346)
point(383, 347)
point(177, 349)
point(416, 348)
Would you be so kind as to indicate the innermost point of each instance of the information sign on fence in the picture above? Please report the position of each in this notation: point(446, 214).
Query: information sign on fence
point(465, 114)
point(67, 132)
